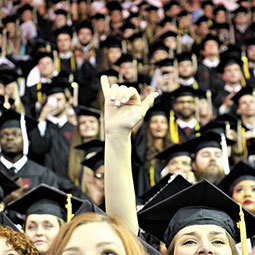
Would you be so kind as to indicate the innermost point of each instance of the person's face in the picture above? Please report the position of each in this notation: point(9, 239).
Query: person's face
point(46, 67)
point(174, 11)
point(158, 126)
point(170, 42)
point(185, 69)
point(85, 36)
point(11, 30)
point(159, 55)
point(208, 164)
point(60, 20)
point(203, 28)
point(221, 17)
point(202, 239)
point(11, 140)
point(6, 249)
point(179, 163)
point(2, 89)
point(153, 16)
point(139, 44)
point(242, 18)
point(64, 42)
point(61, 102)
point(127, 70)
point(246, 105)
point(208, 11)
point(27, 16)
point(128, 32)
point(185, 106)
point(42, 229)
point(99, 25)
point(211, 48)
point(232, 73)
point(251, 53)
point(116, 16)
point(101, 239)
point(88, 126)
point(244, 193)
point(113, 54)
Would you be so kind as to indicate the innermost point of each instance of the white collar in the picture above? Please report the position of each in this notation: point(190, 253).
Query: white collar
point(18, 164)
point(188, 82)
point(60, 122)
point(207, 62)
point(231, 89)
point(182, 124)
point(65, 56)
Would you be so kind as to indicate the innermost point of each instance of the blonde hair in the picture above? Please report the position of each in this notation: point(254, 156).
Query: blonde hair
point(130, 242)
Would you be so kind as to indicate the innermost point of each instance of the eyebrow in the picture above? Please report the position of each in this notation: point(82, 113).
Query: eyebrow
point(106, 243)
point(71, 249)
point(195, 233)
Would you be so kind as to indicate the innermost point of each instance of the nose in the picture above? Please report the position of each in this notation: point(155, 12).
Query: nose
point(205, 248)
point(39, 231)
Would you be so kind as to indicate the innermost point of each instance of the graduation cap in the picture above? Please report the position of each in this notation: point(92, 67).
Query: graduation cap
point(91, 147)
point(170, 4)
point(95, 161)
point(205, 3)
point(157, 109)
point(61, 12)
point(44, 199)
point(135, 36)
point(8, 76)
point(6, 222)
point(98, 16)
point(219, 8)
point(111, 42)
point(133, 15)
point(210, 37)
point(218, 26)
point(64, 30)
point(124, 58)
point(87, 111)
point(25, 7)
point(114, 6)
point(7, 185)
point(168, 34)
point(175, 150)
point(240, 10)
point(201, 204)
point(184, 56)
point(250, 42)
point(201, 19)
point(151, 8)
point(127, 25)
point(164, 21)
point(158, 46)
point(84, 24)
point(165, 188)
point(183, 13)
point(44, 54)
point(109, 72)
point(247, 90)
point(241, 171)
point(165, 62)
point(9, 19)
point(183, 91)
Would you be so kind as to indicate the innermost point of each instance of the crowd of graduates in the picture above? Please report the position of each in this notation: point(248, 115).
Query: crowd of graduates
point(64, 131)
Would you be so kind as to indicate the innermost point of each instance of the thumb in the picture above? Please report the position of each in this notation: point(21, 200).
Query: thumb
point(148, 102)
point(105, 86)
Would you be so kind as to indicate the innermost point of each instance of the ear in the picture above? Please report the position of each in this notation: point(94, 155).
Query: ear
point(238, 111)
point(194, 166)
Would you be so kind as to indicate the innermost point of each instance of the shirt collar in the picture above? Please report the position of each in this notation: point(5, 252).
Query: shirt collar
point(231, 90)
point(18, 164)
point(60, 122)
point(182, 124)
point(188, 82)
point(65, 56)
point(207, 62)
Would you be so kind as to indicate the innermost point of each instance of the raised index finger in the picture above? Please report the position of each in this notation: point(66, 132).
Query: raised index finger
point(105, 86)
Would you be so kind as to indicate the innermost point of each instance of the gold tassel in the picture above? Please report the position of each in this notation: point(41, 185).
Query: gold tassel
point(195, 85)
point(197, 127)
point(209, 101)
point(244, 147)
point(73, 65)
point(180, 29)
point(243, 82)
point(124, 46)
point(151, 173)
point(69, 207)
point(173, 128)
point(39, 91)
point(242, 226)
point(57, 61)
point(245, 67)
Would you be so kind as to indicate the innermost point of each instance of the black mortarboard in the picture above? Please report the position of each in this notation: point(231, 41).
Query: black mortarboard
point(184, 56)
point(168, 34)
point(158, 46)
point(184, 91)
point(44, 54)
point(247, 90)
point(174, 151)
point(61, 12)
point(6, 222)
point(151, 8)
point(208, 38)
point(219, 8)
point(135, 36)
point(165, 62)
point(127, 25)
point(113, 6)
point(124, 58)
point(157, 109)
point(165, 21)
point(239, 10)
point(95, 161)
point(91, 147)
point(109, 72)
point(207, 139)
point(10, 118)
point(9, 19)
point(241, 171)
point(7, 76)
point(169, 5)
point(111, 42)
point(44, 199)
point(133, 15)
point(218, 26)
point(7, 185)
point(84, 24)
point(201, 19)
point(87, 111)
point(183, 14)
point(98, 16)
point(64, 30)
point(25, 7)
point(250, 41)
point(207, 2)
point(201, 204)
point(226, 117)
point(166, 187)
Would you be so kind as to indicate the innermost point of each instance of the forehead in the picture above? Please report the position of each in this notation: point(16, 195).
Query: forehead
point(181, 158)
point(245, 183)
point(10, 129)
point(232, 66)
point(245, 98)
point(209, 150)
point(41, 218)
point(158, 117)
point(87, 117)
point(185, 98)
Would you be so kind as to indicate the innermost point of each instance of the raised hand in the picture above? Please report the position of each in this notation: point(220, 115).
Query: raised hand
point(123, 106)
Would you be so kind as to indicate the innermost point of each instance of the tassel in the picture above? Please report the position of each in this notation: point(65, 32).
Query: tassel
point(39, 91)
point(151, 173)
point(69, 207)
point(245, 67)
point(242, 226)
point(224, 154)
point(173, 128)
point(24, 133)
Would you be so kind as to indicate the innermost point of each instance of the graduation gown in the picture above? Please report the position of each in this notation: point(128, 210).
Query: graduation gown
point(53, 149)
point(33, 174)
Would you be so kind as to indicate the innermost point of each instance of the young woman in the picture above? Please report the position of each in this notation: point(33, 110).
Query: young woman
point(15, 243)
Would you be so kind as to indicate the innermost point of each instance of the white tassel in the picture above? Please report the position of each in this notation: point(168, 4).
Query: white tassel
point(224, 154)
point(24, 134)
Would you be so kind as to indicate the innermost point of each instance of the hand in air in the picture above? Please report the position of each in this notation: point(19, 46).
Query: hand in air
point(123, 106)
